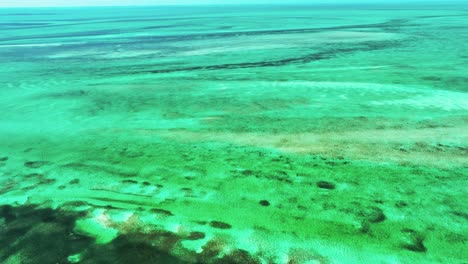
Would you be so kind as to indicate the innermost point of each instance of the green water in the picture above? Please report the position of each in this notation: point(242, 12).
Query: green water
point(236, 134)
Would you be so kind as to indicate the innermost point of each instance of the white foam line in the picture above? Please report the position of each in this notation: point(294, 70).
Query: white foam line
point(39, 45)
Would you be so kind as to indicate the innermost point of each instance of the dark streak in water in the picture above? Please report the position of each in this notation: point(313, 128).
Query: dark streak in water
point(296, 60)
point(123, 193)
point(439, 16)
point(121, 201)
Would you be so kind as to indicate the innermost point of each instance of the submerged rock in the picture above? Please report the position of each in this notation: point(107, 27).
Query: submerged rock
point(400, 204)
point(135, 248)
point(220, 225)
point(162, 211)
point(35, 164)
point(129, 181)
point(40, 235)
point(326, 185)
point(75, 181)
point(210, 250)
point(413, 240)
point(196, 236)
point(247, 172)
point(238, 257)
point(48, 181)
point(34, 175)
point(372, 214)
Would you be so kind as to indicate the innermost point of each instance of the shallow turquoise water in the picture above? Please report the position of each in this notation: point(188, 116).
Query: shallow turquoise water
point(245, 134)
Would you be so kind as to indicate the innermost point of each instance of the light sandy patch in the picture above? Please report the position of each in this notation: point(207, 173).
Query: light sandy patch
point(414, 146)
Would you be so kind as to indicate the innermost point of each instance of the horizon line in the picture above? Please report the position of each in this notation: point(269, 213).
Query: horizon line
point(406, 3)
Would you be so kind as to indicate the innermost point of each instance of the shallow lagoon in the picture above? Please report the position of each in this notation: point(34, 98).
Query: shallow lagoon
point(259, 134)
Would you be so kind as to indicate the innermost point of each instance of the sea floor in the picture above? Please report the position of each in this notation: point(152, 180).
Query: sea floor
point(240, 134)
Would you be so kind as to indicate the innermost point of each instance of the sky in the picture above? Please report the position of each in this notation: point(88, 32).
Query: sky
point(39, 3)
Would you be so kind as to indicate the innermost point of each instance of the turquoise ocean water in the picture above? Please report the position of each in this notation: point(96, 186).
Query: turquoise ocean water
point(234, 134)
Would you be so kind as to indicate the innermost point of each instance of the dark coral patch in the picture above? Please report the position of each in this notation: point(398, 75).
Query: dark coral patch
point(247, 172)
point(48, 181)
point(210, 250)
point(25, 226)
point(35, 164)
point(220, 225)
point(196, 236)
point(162, 211)
point(39, 235)
point(130, 181)
point(401, 204)
point(238, 257)
point(413, 241)
point(134, 248)
point(372, 214)
point(75, 181)
point(34, 175)
point(326, 185)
